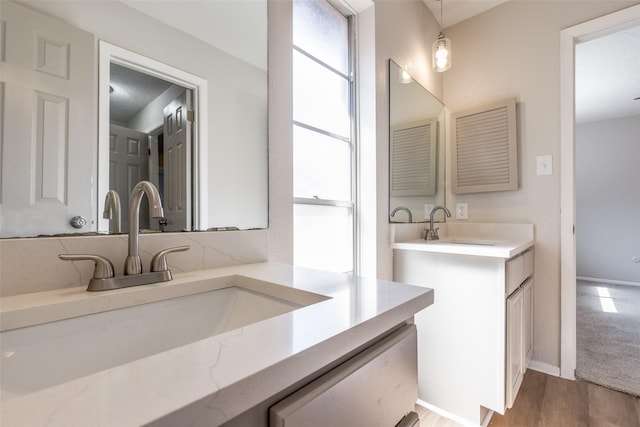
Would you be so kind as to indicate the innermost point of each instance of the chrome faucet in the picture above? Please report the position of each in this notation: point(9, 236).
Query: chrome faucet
point(132, 264)
point(432, 233)
point(103, 274)
point(112, 210)
point(402, 208)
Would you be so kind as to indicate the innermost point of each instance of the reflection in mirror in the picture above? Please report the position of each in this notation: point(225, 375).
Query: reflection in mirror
point(150, 137)
point(416, 137)
point(57, 183)
point(138, 105)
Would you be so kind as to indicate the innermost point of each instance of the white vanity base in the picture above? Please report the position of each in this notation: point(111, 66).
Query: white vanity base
point(462, 338)
point(461, 360)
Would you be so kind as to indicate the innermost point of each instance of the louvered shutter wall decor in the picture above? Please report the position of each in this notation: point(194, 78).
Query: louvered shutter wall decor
point(413, 159)
point(484, 149)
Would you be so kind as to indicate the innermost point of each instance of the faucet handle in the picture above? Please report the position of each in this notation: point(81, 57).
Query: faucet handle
point(432, 234)
point(159, 260)
point(103, 269)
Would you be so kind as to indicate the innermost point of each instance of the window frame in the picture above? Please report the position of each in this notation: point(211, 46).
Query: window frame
point(353, 141)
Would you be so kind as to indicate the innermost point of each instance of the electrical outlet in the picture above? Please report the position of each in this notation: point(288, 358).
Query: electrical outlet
point(462, 211)
point(544, 165)
point(428, 207)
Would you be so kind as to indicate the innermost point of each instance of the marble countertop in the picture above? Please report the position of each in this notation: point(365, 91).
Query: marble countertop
point(212, 380)
point(477, 239)
point(466, 246)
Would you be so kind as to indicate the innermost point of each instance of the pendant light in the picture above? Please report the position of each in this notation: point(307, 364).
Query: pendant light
point(441, 51)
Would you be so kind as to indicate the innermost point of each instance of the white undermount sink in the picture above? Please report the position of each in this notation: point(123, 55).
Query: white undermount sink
point(32, 356)
point(462, 241)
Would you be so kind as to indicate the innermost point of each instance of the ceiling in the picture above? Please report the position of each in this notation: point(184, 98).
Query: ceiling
point(608, 76)
point(131, 91)
point(455, 11)
point(607, 68)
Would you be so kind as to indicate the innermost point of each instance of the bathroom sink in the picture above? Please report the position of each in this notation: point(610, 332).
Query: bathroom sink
point(40, 356)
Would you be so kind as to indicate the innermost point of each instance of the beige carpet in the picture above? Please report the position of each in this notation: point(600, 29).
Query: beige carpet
point(608, 335)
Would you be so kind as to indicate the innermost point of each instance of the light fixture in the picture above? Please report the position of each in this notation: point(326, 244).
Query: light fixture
point(441, 51)
point(405, 77)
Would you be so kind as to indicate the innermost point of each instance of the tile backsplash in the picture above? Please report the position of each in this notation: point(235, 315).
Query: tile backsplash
point(32, 264)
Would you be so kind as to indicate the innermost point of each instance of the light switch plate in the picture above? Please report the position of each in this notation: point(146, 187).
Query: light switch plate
point(462, 211)
point(544, 165)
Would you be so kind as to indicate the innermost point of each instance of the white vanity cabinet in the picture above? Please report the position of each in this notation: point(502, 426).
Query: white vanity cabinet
point(375, 387)
point(519, 290)
point(475, 340)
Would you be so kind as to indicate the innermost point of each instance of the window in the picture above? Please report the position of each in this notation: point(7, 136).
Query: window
point(323, 137)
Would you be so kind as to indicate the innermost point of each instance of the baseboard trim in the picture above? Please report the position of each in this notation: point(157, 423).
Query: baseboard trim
point(454, 417)
point(611, 282)
point(545, 368)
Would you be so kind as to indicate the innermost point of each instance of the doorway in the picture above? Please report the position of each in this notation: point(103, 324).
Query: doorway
point(569, 39)
point(184, 115)
point(145, 112)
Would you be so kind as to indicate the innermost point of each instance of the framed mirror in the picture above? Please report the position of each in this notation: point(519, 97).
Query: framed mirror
point(221, 45)
point(416, 138)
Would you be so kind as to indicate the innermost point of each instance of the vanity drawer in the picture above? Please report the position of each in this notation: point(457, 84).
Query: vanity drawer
point(518, 270)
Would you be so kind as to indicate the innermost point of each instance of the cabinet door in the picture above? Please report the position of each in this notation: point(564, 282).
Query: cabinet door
point(514, 345)
point(527, 323)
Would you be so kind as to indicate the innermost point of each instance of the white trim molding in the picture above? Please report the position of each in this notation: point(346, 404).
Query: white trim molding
point(569, 37)
point(608, 281)
point(545, 368)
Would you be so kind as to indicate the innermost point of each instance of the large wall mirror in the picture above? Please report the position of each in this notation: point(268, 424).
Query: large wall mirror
point(64, 61)
point(416, 137)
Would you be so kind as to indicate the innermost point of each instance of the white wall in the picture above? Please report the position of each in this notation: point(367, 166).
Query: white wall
point(608, 199)
point(280, 131)
point(237, 152)
point(151, 116)
point(367, 185)
point(513, 50)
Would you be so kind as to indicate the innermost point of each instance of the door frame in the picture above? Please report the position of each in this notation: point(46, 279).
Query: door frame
point(569, 37)
point(108, 54)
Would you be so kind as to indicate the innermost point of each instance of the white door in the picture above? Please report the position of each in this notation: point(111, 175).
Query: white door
point(177, 163)
point(128, 165)
point(49, 132)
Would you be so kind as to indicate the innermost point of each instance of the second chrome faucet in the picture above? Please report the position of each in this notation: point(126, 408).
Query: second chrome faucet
point(103, 276)
point(432, 233)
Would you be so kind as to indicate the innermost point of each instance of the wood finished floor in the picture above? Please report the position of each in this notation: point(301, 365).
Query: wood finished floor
point(548, 401)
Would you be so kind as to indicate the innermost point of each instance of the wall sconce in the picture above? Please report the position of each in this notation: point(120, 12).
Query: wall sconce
point(441, 50)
